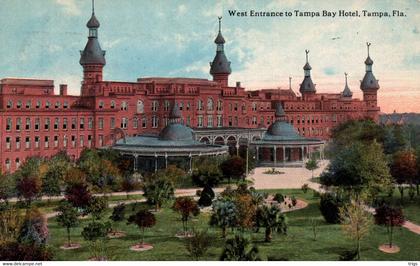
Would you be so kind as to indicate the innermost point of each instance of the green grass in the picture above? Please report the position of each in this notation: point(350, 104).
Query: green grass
point(411, 208)
point(297, 245)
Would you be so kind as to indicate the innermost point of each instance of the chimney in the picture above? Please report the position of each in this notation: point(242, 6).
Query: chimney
point(63, 89)
point(238, 84)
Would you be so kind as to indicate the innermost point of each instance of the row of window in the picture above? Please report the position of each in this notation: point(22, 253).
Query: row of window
point(57, 123)
point(38, 104)
point(48, 142)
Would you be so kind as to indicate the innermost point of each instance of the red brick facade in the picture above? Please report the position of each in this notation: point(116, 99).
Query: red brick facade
point(36, 122)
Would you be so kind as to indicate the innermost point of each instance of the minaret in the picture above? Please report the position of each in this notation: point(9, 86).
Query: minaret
point(307, 86)
point(92, 58)
point(347, 93)
point(220, 67)
point(370, 86)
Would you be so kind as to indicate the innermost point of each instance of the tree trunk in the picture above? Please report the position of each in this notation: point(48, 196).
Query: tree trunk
point(142, 237)
point(224, 231)
point(390, 236)
point(401, 189)
point(268, 235)
point(68, 236)
point(418, 189)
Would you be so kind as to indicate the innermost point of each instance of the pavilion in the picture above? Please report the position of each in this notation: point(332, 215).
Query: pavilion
point(175, 145)
point(282, 146)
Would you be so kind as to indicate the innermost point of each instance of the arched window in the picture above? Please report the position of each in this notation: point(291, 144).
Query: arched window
point(140, 107)
point(200, 105)
point(210, 104)
point(9, 104)
point(124, 106)
point(17, 163)
point(166, 105)
point(7, 164)
point(101, 104)
point(135, 122)
point(112, 104)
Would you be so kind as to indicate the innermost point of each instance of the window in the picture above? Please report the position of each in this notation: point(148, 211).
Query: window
point(55, 141)
point(112, 104)
point(230, 121)
point(47, 104)
point(90, 122)
point(47, 124)
point(56, 123)
point(181, 106)
point(7, 164)
point(112, 122)
point(9, 104)
point(188, 106)
point(209, 121)
point(101, 140)
point(57, 105)
point(188, 122)
point(64, 123)
point(254, 120)
point(200, 121)
point(200, 105)
point(101, 123)
point(124, 122)
point(17, 161)
point(210, 104)
point(219, 121)
point(36, 142)
point(155, 106)
point(28, 123)
point(82, 123)
point(254, 106)
point(155, 121)
point(65, 141)
point(19, 105)
point(18, 123)
point(37, 123)
point(65, 105)
point(17, 143)
point(27, 143)
point(82, 141)
point(135, 122)
point(236, 106)
point(219, 105)
point(8, 124)
point(38, 104)
point(89, 141)
point(144, 122)
point(166, 105)
point(73, 123)
point(140, 107)
point(236, 121)
point(101, 104)
point(8, 143)
point(230, 107)
point(46, 142)
point(73, 141)
point(124, 106)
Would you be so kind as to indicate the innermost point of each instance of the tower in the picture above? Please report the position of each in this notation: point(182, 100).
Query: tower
point(370, 86)
point(307, 87)
point(220, 67)
point(92, 58)
point(347, 93)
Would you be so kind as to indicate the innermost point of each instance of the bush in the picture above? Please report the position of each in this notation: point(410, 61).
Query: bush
point(198, 244)
point(279, 197)
point(118, 213)
point(294, 201)
point(329, 207)
point(34, 229)
point(14, 251)
point(305, 188)
point(207, 195)
point(316, 194)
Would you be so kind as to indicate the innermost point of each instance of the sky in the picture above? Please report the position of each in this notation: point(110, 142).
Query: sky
point(42, 39)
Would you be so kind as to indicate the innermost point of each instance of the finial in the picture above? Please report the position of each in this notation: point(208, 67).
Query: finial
point(93, 6)
point(345, 74)
point(220, 23)
point(307, 52)
point(368, 44)
point(290, 83)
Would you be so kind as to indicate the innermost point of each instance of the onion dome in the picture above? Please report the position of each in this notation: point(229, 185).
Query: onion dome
point(281, 129)
point(369, 81)
point(92, 54)
point(347, 92)
point(220, 64)
point(175, 131)
point(307, 85)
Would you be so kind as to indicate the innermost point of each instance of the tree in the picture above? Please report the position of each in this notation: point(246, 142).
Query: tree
point(118, 214)
point(78, 195)
point(330, 205)
point(198, 244)
point(29, 188)
point(206, 197)
point(128, 184)
point(311, 165)
point(279, 198)
point(224, 215)
point(272, 219)
point(10, 223)
point(7, 187)
point(34, 230)
point(143, 219)
point(97, 206)
point(90, 163)
point(390, 217)
point(74, 176)
point(67, 217)
point(157, 191)
point(359, 169)
point(239, 249)
point(246, 211)
point(233, 167)
point(96, 232)
point(356, 222)
point(404, 169)
point(51, 183)
point(207, 173)
point(173, 174)
point(186, 206)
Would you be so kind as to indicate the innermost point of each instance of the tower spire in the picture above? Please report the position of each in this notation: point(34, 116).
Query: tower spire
point(346, 92)
point(307, 52)
point(368, 44)
point(290, 83)
point(307, 86)
point(220, 24)
point(220, 67)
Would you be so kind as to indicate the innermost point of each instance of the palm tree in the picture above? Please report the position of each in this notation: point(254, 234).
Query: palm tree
point(239, 249)
point(158, 191)
point(272, 219)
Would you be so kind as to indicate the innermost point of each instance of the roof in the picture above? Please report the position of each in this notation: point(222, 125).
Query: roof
point(176, 132)
point(368, 61)
point(92, 54)
point(279, 111)
point(27, 81)
point(220, 64)
point(307, 66)
point(347, 92)
point(93, 22)
point(369, 82)
point(219, 39)
point(307, 85)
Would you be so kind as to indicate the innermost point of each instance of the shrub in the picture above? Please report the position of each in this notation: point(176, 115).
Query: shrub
point(207, 195)
point(390, 217)
point(294, 201)
point(34, 229)
point(143, 219)
point(186, 206)
point(78, 194)
point(305, 188)
point(198, 244)
point(239, 249)
point(14, 251)
point(329, 207)
point(118, 213)
point(97, 206)
point(279, 197)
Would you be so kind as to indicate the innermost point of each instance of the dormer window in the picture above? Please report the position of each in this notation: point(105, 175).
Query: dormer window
point(19, 104)
point(9, 104)
point(65, 105)
point(101, 104)
point(57, 105)
point(28, 104)
point(38, 104)
point(47, 104)
point(112, 104)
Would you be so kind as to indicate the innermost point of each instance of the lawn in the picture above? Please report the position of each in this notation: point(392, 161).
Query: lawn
point(297, 245)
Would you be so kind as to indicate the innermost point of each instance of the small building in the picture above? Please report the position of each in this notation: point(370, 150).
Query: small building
point(281, 145)
point(175, 145)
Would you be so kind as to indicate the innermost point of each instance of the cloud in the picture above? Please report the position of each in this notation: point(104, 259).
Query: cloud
point(416, 30)
point(182, 9)
point(69, 7)
point(330, 71)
